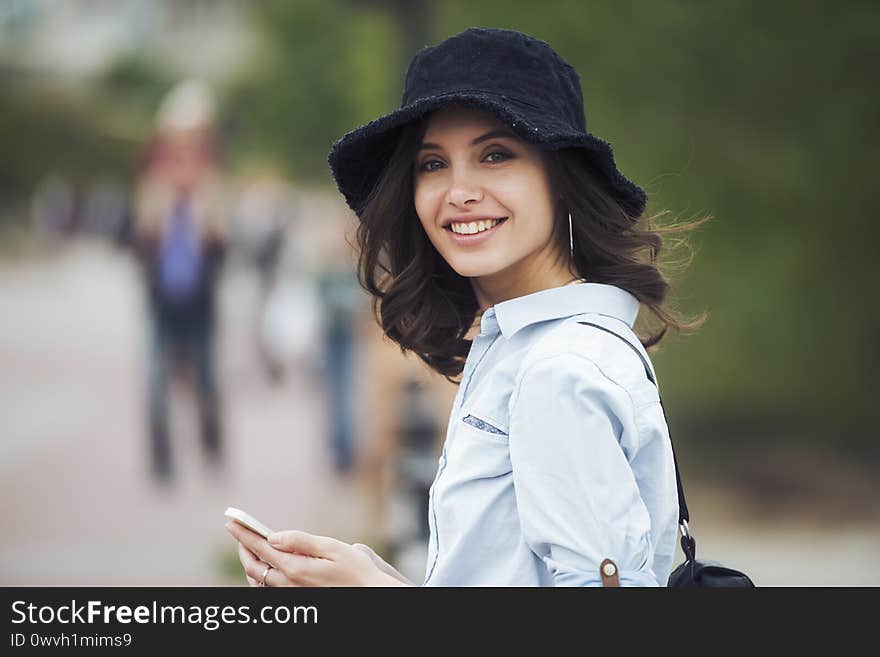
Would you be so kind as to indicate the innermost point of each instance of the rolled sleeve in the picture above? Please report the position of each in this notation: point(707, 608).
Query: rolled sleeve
point(571, 429)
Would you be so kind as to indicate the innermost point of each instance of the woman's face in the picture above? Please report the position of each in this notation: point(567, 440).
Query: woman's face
point(483, 197)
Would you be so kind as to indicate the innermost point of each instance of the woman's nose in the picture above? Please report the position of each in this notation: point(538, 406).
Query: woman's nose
point(462, 191)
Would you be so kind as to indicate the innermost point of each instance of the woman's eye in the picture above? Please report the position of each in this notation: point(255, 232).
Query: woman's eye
point(497, 156)
point(430, 165)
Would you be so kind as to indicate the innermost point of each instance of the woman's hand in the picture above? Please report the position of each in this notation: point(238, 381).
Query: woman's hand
point(302, 559)
point(383, 565)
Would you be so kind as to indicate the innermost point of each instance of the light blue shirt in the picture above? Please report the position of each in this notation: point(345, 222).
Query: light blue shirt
point(557, 453)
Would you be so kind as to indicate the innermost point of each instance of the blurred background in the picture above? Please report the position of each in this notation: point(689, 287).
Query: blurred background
point(182, 330)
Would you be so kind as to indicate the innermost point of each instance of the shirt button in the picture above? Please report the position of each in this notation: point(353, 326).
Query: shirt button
point(609, 569)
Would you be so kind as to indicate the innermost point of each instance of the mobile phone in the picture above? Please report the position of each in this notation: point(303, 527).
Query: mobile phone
point(247, 520)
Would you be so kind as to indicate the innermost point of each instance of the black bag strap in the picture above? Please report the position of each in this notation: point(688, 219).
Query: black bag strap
point(688, 544)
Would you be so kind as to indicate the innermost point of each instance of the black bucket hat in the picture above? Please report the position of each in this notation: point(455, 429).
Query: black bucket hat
point(517, 78)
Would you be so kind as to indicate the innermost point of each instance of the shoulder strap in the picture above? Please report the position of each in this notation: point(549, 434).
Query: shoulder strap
point(688, 545)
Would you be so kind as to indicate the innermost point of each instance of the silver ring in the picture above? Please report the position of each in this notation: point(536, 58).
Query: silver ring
point(265, 572)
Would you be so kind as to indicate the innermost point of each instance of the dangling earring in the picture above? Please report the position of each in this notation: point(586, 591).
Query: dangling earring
point(571, 252)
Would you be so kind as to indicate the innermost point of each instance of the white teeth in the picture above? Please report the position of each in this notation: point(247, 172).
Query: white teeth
point(474, 226)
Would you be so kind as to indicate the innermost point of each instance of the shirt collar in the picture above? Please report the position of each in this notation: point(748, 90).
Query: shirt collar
point(559, 302)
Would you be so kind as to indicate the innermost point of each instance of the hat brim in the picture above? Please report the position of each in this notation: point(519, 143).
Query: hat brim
point(358, 159)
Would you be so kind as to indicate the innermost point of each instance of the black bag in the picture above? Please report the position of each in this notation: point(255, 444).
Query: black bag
point(693, 572)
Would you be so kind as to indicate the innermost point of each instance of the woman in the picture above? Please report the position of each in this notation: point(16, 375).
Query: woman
point(484, 198)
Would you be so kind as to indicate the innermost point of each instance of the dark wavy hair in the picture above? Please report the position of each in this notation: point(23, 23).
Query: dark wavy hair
point(426, 307)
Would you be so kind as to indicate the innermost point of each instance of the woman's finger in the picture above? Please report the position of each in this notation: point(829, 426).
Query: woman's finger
point(246, 557)
point(255, 543)
point(249, 562)
point(253, 567)
point(244, 554)
point(301, 542)
point(291, 569)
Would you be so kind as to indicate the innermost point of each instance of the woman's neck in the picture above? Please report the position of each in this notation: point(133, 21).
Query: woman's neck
point(503, 286)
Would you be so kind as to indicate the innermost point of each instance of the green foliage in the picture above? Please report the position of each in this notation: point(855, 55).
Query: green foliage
point(320, 70)
point(43, 133)
point(137, 82)
point(97, 131)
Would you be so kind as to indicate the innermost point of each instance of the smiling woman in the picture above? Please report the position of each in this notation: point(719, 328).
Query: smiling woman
point(494, 229)
point(483, 198)
point(432, 266)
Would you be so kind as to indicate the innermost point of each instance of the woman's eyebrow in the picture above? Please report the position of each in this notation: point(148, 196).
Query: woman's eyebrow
point(492, 134)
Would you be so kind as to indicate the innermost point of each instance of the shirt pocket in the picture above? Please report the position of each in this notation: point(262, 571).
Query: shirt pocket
point(480, 449)
point(482, 425)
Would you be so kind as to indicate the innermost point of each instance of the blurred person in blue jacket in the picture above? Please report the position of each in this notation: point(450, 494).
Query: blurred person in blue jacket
point(180, 239)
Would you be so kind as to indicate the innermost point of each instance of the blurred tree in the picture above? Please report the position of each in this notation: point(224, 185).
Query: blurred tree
point(138, 83)
point(321, 68)
point(43, 133)
point(414, 19)
point(93, 131)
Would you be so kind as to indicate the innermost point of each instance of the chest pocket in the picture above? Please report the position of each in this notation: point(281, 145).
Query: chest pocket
point(479, 449)
point(482, 425)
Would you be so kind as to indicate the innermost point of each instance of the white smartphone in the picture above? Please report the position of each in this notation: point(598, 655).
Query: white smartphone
point(247, 520)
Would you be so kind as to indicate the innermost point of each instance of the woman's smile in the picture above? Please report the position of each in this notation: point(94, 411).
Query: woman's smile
point(473, 232)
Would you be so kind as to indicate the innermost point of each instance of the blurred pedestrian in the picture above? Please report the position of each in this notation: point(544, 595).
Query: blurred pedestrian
point(263, 212)
point(501, 243)
point(180, 238)
point(343, 305)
